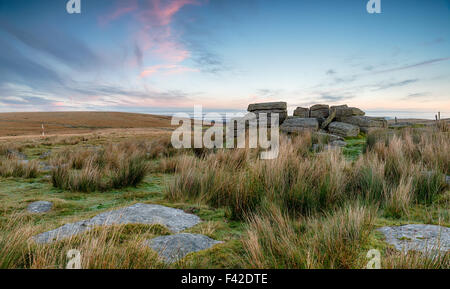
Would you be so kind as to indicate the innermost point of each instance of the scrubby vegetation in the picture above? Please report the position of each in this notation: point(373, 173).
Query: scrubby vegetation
point(308, 208)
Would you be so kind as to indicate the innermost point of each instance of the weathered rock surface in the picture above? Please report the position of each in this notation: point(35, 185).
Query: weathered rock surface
point(174, 219)
point(357, 112)
point(329, 119)
point(45, 155)
point(338, 143)
point(302, 112)
point(342, 111)
point(418, 237)
point(319, 111)
point(270, 108)
point(297, 124)
point(267, 106)
point(39, 207)
point(345, 111)
point(366, 123)
point(343, 129)
point(175, 247)
point(327, 137)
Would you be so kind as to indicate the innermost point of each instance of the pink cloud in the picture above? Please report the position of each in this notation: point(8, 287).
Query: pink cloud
point(155, 35)
point(125, 7)
point(166, 69)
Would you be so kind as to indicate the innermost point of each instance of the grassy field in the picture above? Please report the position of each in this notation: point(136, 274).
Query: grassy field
point(305, 209)
point(57, 123)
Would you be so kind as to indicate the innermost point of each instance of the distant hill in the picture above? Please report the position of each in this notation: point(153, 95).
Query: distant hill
point(30, 123)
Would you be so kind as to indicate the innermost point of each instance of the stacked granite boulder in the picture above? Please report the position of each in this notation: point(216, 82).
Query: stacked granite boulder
point(336, 121)
point(256, 109)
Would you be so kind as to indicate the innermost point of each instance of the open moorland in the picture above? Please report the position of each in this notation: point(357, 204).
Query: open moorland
point(57, 123)
point(315, 206)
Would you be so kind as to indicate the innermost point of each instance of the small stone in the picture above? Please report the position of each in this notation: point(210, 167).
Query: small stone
point(327, 137)
point(175, 247)
point(45, 155)
point(338, 143)
point(40, 207)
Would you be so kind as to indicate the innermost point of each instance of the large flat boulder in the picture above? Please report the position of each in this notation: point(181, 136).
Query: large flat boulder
point(418, 237)
point(267, 106)
point(297, 124)
point(343, 129)
point(175, 247)
point(270, 108)
point(319, 111)
point(366, 123)
point(302, 112)
point(174, 219)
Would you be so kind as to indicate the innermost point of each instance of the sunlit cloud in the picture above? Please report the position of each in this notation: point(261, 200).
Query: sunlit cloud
point(166, 70)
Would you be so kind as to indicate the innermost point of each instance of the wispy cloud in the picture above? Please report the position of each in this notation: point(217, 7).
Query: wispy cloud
point(66, 49)
point(419, 64)
point(387, 85)
point(166, 70)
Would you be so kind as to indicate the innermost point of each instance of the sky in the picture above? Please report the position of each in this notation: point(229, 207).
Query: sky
point(147, 55)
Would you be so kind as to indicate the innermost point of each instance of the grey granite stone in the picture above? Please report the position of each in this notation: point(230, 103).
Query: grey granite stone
point(418, 237)
point(39, 207)
point(174, 219)
point(175, 247)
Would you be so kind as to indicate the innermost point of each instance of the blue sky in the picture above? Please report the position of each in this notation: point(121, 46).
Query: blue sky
point(141, 55)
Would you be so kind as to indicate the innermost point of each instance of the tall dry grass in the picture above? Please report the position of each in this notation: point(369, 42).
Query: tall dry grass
point(275, 240)
point(13, 167)
point(87, 170)
point(113, 247)
point(394, 173)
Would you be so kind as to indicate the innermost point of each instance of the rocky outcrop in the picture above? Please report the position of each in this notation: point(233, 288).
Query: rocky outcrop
point(302, 112)
point(418, 237)
point(343, 129)
point(174, 219)
point(175, 247)
point(366, 123)
point(319, 111)
point(270, 108)
point(297, 124)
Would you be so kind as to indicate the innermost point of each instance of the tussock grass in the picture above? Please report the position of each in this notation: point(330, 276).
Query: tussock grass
point(113, 167)
point(113, 247)
point(389, 174)
point(335, 240)
point(12, 167)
